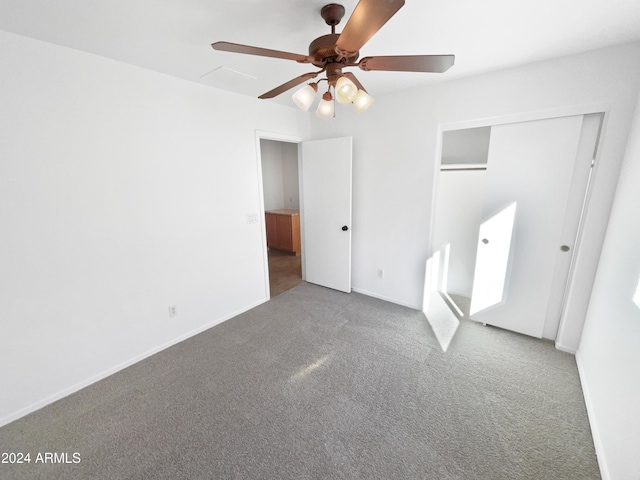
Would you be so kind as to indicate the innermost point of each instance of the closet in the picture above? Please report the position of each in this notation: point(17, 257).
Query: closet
point(506, 239)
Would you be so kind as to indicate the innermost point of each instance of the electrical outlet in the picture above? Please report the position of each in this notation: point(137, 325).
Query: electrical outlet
point(380, 273)
point(173, 310)
point(252, 218)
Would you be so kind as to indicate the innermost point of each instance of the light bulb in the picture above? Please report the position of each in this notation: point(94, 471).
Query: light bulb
point(325, 107)
point(345, 90)
point(362, 101)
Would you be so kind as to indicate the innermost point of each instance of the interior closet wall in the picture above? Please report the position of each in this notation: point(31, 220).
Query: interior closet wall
point(468, 146)
point(458, 215)
point(460, 195)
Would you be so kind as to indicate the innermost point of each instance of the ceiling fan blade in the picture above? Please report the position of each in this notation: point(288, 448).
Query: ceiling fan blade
point(262, 52)
point(353, 78)
point(290, 84)
point(408, 63)
point(367, 18)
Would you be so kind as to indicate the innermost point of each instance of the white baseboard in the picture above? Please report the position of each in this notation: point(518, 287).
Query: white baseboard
point(564, 348)
point(602, 462)
point(110, 371)
point(386, 299)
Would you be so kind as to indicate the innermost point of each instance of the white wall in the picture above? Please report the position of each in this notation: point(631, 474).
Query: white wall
point(609, 354)
point(115, 188)
point(396, 144)
point(290, 180)
point(280, 174)
point(272, 178)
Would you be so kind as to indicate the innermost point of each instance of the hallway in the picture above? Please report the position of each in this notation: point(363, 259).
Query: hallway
point(285, 271)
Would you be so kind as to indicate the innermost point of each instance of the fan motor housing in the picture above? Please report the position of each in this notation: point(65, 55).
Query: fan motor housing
point(323, 50)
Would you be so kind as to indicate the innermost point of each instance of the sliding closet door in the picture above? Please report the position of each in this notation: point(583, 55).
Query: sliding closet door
point(530, 170)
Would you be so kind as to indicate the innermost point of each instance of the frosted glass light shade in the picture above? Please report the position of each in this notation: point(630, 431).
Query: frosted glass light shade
point(325, 109)
point(303, 98)
point(345, 90)
point(362, 101)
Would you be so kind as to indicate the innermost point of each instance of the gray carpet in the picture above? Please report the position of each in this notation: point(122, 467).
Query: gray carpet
point(317, 384)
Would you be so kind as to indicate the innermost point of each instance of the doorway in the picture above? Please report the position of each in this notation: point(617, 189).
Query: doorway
point(281, 196)
point(323, 196)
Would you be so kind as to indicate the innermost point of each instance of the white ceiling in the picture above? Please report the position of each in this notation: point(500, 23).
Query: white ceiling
point(174, 36)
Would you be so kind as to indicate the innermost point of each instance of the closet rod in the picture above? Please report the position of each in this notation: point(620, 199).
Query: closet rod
point(462, 167)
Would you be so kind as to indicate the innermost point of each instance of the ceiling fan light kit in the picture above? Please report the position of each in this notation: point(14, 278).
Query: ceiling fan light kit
point(333, 52)
point(362, 101)
point(326, 108)
point(345, 90)
point(303, 98)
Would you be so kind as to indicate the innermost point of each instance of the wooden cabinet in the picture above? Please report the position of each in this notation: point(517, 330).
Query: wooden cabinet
point(283, 230)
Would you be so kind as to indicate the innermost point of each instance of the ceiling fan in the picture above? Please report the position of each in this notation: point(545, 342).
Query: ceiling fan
point(333, 52)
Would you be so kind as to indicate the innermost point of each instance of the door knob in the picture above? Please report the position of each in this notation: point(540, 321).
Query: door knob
point(565, 248)
point(485, 241)
point(345, 228)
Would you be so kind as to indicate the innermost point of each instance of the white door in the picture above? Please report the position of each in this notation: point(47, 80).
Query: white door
point(492, 259)
point(326, 212)
point(530, 173)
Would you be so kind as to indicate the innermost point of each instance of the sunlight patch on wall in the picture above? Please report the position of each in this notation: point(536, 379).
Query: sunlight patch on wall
point(445, 267)
point(492, 260)
point(431, 276)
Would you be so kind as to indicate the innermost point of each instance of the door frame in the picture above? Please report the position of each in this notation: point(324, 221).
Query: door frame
point(582, 271)
point(278, 137)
